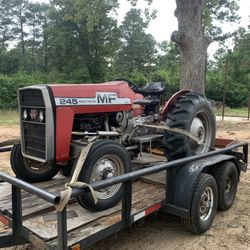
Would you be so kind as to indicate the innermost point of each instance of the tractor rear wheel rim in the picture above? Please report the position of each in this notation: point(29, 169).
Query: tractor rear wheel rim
point(107, 167)
point(201, 128)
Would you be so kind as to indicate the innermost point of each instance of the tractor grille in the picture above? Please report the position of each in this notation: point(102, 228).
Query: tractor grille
point(31, 97)
point(33, 128)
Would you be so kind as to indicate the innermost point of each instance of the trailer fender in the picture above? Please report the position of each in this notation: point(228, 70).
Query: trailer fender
point(187, 175)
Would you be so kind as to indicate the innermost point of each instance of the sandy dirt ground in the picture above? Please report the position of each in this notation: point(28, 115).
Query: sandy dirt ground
point(230, 230)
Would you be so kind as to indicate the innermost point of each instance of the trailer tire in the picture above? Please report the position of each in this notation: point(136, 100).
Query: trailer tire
point(226, 177)
point(105, 159)
point(193, 113)
point(23, 170)
point(203, 205)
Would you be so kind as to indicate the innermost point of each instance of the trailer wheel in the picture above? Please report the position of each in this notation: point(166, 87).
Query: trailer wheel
point(203, 206)
point(106, 159)
point(226, 177)
point(193, 113)
point(29, 170)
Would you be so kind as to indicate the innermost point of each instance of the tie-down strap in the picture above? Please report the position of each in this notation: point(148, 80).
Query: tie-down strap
point(176, 130)
point(74, 183)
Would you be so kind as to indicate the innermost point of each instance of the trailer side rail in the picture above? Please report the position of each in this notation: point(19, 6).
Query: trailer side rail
point(19, 234)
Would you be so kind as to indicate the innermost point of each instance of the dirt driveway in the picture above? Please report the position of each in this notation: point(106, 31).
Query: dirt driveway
point(230, 230)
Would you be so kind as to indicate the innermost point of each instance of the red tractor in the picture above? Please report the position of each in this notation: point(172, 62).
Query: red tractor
point(118, 118)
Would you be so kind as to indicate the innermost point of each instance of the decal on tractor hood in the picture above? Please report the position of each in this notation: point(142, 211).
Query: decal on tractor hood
point(101, 98)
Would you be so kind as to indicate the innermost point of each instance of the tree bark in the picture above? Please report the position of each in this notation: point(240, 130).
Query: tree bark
point(45, 45)
point(33, 49)
point(193, 44)
point(22, 32)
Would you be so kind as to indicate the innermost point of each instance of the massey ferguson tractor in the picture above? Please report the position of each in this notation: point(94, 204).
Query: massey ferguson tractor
point(119, 120)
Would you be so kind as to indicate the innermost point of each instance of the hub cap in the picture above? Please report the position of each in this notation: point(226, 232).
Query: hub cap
point(228, 185)
point(107, 167)
point(206, 204)
point(202, 129)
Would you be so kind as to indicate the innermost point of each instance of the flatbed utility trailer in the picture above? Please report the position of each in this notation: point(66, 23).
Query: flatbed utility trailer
point(29, 209)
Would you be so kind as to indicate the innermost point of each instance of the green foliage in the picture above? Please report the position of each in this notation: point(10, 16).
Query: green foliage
point(219, 11)
point(237, 95)
point(138, 77)
point(238, 75)
point(137, 52)
point(83, 36)
point(74, 41)
point(9, 86)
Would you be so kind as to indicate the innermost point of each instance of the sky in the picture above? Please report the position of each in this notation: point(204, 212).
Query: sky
point(162, 27)
point(165, 22)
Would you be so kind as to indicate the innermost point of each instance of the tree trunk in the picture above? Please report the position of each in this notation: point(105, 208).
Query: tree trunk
point(45, 46)
point(45, 55)
point(193, 44)
point(22, 33)
point(33, 50)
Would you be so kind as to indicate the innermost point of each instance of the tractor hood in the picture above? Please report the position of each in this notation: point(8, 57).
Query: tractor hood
point(110, 93)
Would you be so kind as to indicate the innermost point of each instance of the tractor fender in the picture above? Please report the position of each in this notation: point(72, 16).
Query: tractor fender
point(171, 101)
point(187, 175)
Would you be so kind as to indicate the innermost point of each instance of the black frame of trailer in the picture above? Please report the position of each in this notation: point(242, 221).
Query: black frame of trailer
point(171, 204)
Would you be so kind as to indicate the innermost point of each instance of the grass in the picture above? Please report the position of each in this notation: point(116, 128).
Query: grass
point(9, 117)
point(227, 125)
point(240, 112)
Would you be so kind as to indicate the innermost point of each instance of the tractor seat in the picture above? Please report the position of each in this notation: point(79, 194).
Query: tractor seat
point(153, 88)
point(146, 101)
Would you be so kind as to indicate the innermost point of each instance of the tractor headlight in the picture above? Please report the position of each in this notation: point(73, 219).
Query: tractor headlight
point(25, 114)
point(41, 116)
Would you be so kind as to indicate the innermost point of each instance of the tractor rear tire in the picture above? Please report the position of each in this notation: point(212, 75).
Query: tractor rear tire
point(29, 170)
point(106, 159)
point(192, 113)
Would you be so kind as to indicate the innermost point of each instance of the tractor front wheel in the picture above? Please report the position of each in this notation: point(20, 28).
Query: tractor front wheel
point(106, 159)
point(30, 170)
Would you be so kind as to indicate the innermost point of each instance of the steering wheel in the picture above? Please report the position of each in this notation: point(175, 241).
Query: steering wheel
point(132, 85)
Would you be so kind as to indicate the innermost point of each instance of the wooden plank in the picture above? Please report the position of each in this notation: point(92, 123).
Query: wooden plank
point(48, 230)
point(40, 217)
point(31, 203)
point(149, 194)
point(53, 216)
point(157, 178)
point(96, 226)
point(147, 159)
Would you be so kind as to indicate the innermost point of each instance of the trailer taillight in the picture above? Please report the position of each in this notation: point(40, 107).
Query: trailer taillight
point(76, 247)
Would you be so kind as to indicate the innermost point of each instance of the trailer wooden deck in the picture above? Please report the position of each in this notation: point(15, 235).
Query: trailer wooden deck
point(40, 218)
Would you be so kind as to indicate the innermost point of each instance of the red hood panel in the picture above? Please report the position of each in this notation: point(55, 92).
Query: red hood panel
point(89, 90)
